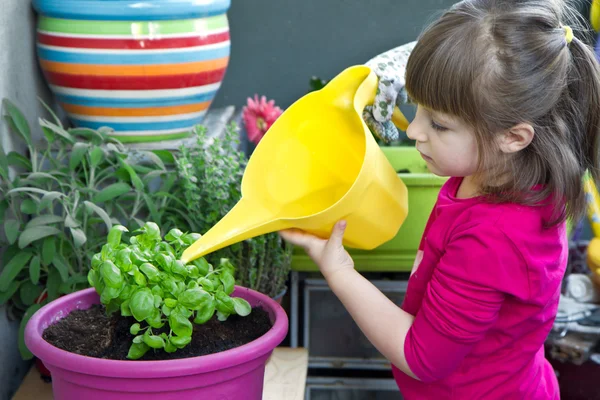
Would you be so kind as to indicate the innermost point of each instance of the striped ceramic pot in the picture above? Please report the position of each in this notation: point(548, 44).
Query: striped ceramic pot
point(147, 69)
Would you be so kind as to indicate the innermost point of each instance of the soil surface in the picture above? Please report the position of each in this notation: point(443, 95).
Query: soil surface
point(92, 333)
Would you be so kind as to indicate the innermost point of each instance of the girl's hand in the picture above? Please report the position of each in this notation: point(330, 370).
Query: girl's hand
point(329, 255)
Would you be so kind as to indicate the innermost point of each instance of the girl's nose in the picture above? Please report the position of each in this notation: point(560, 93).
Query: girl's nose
point(414, 132)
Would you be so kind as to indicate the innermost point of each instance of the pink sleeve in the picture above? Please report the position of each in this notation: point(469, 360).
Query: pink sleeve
point(462, 300)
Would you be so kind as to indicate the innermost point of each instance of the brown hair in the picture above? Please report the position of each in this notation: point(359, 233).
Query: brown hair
point(498, 63)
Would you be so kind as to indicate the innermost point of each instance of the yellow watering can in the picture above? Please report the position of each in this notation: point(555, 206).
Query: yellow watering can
point(317, 164)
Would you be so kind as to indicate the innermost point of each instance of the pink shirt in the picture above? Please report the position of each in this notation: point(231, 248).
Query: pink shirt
point(484, 297)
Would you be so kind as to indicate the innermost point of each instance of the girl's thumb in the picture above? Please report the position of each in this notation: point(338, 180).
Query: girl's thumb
point(337, 236)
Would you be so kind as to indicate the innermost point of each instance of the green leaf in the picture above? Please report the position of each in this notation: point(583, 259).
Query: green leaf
point(111, 274)
point(139, 278)
point(12, 269)
point(224, 303)
point(53, 283)
point(3, 164)
point(151, 204)
point(34, 270)
point(28, 206)
point(19, 122)
point(203, 266)
point(77, 153)
point(44, 220)
point(32, 234)
point(48, 198)
point(100, 212)
point(50, 111)
point(114, 236)
point(135, 329)
point(70, 222)
point(205, 312)
point(137, 351)
point(126, 311)
point(180, 341)
point(156, 342)
point(25, 353)
point(11, 230)
point(180, 324)
point(51, 130)
point(6, 296)
point(135, 179)
point(228, 281)
point(112, 191)
point(61, 266)
point(96, 156)
point(29, 292)
point(79, 237)
point(48, 250)
point(242, 307)
point(151, 272)
point(142, 304)
point(193, 299)
point(90, 134)
point(18, 160)
point(222, 316)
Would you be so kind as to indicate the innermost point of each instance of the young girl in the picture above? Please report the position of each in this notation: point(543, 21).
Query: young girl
point(509, 108)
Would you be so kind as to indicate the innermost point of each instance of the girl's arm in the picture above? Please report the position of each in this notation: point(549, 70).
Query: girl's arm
point(380, 319)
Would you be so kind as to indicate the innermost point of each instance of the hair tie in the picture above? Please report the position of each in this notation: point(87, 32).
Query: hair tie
point(568, 33)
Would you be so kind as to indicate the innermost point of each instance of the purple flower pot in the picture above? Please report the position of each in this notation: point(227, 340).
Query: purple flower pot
point(235, 374)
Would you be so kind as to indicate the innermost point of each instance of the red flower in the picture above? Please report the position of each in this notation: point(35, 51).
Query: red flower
point(259, 115)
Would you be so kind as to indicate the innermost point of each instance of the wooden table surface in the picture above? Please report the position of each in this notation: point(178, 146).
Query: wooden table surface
point(285, 378)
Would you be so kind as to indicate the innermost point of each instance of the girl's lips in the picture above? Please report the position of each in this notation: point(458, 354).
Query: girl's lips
point(426, 158)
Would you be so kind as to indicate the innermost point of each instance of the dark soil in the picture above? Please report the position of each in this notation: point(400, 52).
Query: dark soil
point(92, 333)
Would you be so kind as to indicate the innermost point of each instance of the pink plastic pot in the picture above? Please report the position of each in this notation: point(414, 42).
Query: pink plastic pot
point(235, 374)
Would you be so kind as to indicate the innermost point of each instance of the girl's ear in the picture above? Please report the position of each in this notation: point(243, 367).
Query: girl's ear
point(516, 138)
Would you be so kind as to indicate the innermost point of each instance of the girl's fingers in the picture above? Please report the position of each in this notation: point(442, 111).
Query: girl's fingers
point(297, 237)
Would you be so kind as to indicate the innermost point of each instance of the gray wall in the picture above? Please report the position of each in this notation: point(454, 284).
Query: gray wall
point(276, 46)
point(20, 81)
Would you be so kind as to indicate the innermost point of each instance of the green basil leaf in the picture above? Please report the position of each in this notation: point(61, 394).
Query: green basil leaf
point(224, 303)
point(111, 274)
point(180, 325)
point(203, 266)
point(241, 306)
point(206, 284)
point(139, 278)
point(166, 310)
point(228, 281)
point(205, 312)
point(137, 351)
point(12, 269)
point(155, 321)
point(125, 310)
point(93, 278)
point(173, 235)
point(142, 304)
point(156, 342)
point(172, 303)
point(135, 328)
point(178, 267)
point(151, 272)
point(194, 298)
point(222, 316)
point(169, 347)
point(114, 236)
point(180, 341)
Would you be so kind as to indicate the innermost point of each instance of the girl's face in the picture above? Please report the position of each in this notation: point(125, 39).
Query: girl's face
point(447, 144)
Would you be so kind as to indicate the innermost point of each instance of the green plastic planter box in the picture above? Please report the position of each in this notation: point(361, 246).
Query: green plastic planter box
point(399, 253)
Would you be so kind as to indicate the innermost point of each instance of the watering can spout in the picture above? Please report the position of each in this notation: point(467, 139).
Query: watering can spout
point(245, 220)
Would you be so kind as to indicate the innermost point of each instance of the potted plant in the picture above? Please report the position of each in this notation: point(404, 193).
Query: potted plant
point(157, 320)
point(149, 70)
point(57, 207)
point(208, 186)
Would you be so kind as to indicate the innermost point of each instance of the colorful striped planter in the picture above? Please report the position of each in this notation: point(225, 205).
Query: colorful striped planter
point(148, 70)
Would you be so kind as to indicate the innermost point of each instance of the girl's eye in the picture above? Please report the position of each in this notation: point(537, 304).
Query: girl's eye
point(438, 127)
